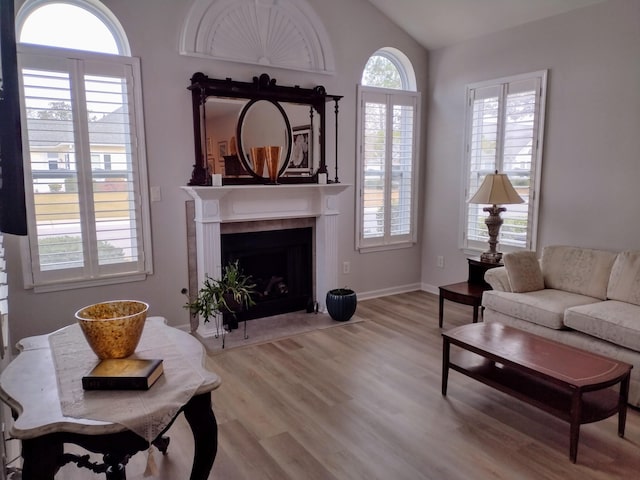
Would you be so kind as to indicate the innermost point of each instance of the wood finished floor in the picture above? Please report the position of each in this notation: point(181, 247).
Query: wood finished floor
point(363, 402)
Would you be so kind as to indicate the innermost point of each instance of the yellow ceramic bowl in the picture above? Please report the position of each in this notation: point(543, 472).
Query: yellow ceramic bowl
point(113, 329)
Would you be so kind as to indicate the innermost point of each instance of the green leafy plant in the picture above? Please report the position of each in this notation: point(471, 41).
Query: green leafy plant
point(230, 294)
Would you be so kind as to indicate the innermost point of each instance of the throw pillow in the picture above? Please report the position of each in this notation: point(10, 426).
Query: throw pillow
point(523, 270)
point(584, 271)
point(624, 283)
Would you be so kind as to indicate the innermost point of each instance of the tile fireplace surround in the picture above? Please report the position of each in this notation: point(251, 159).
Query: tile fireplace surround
point(256, 203)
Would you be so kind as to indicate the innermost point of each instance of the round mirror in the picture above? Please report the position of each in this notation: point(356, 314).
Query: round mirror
point(264, 139)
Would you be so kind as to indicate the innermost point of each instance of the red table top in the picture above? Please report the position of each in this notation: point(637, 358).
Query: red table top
point(541, 355)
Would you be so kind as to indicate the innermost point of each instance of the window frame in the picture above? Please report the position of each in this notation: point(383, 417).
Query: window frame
point(51, 282)
point(475, 246)
point(387, 241)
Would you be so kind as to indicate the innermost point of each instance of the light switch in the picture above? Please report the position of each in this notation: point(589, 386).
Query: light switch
point(156, 195)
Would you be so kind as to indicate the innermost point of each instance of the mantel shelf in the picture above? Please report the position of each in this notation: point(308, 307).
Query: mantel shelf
point(216, 193)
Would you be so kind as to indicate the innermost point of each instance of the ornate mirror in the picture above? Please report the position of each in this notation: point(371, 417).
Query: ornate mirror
point(259, 132)
point(263, 124)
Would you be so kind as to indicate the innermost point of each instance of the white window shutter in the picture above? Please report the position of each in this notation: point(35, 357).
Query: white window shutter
point(87, 209)
point(387, 180)
point(504, 133)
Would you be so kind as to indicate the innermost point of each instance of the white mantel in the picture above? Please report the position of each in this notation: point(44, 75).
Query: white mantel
point(246, 203)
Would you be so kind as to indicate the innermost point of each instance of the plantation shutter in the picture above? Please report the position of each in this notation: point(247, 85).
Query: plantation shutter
point(86, 218)
point(375, 168)
point(402, 154)
point(388, 142)
point(483, 148)
point(503, 134)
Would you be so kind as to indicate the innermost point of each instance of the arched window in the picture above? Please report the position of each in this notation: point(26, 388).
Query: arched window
point(388, 140)
point(85, 164)
point(76, 27)
point(389, 68)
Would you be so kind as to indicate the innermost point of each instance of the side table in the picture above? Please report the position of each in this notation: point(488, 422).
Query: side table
point(29, 386)
point(469, 292)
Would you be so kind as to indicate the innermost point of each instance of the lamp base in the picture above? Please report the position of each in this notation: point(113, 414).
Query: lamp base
point(491, 257)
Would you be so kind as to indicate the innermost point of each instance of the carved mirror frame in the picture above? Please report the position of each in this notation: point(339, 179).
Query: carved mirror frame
point(262, 88)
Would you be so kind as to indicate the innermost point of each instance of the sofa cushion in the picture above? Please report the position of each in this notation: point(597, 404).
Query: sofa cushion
point(613, 321)
point(578, 270)
point(624, 282)
point(543, 307)
point(523, 270)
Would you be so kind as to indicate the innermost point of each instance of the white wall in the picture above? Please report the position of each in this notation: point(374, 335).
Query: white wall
point(356, 30)
point(591, 164)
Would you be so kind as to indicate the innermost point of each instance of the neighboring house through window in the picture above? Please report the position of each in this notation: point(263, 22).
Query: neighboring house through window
point(504, 132)
point(85, 165)
point(388, 122)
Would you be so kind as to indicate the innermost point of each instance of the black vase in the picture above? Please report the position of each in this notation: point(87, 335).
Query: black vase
point(341, 303)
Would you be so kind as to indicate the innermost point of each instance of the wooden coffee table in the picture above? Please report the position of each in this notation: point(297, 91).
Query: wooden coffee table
point(571, 384)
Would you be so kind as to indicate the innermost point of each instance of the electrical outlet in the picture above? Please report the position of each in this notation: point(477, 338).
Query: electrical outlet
point(346, 267)
point(440, 261)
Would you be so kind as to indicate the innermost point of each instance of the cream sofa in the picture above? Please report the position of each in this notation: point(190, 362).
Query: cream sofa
point(582, 297)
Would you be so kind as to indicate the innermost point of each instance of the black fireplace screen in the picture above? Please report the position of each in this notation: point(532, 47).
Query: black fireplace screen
point(280, 263)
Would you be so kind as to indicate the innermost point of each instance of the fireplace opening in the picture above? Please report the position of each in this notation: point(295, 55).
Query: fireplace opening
point(280, 263)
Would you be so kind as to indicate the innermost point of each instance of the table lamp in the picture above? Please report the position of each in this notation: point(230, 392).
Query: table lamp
point(496, 189)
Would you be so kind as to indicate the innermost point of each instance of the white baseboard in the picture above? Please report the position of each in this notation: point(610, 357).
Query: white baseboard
point(389, 291)
point(430, 289)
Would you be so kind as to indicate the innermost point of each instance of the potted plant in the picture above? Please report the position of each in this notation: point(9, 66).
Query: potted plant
point(341, 303)
point(230, 294)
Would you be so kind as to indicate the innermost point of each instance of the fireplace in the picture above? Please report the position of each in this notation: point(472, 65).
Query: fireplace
point(219, 210)
point(280, 263)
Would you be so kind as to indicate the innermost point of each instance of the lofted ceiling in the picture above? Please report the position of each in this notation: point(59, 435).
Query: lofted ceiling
point(440, 23)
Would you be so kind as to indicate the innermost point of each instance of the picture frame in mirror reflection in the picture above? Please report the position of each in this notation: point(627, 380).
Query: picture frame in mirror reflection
point(222, 149)
point(301, 161)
